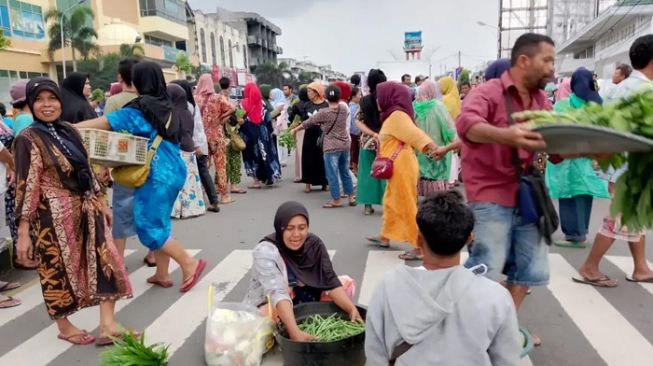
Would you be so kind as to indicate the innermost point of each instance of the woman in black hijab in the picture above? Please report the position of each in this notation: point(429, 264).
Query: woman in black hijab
point(370, 190)
point(296, 115)
point(59, 204)
point(151, 115)
point(75, 90)
point(293, 257)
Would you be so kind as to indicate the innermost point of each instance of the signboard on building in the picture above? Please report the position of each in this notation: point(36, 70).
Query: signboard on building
point(413, 41)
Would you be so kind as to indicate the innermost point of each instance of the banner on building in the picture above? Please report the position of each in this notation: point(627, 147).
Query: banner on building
point(413, 41)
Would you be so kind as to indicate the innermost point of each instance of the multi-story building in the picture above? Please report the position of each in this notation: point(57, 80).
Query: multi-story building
point(222, 48)
point(261, 35)
point(324, 72)
point(605, 41)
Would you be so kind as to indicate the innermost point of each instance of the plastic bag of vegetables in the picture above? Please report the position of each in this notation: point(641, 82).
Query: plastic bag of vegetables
point(235, 334)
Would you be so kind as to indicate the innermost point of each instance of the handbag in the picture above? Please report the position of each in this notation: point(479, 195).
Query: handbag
point(320, 140)
point(236, 141)
point(534, 204)
point(382, 167)
point(135, 176)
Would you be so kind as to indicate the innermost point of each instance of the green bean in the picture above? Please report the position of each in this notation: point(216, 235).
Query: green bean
point(330, 329)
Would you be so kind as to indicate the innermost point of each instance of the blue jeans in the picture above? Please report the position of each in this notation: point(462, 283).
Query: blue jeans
point(575, 216)
point(505, 246)
point(336, 166)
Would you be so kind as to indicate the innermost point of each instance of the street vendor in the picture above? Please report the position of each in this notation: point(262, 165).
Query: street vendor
point(292, 266)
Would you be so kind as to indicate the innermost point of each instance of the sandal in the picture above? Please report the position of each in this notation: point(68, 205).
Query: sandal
point(378, 241)
point(353, 203)
point(604, 281)
point(238, 191)
point(643, 280)
point(192, 281)
point(369, 210)
point(148, 263)
point(226, 202)
point(6, 286)
point(156, 282)
point(570, 244)
point(410, 256)
point(79, 339)
point(108, 340)
point(331, 205)
point(255, 186)
point(8, 302)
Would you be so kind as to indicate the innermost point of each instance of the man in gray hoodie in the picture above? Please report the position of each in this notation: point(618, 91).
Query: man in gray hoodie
point(442, 313)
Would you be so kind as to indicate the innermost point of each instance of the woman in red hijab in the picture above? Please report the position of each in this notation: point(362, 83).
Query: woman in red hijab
point(400, 137)
point(260, 156)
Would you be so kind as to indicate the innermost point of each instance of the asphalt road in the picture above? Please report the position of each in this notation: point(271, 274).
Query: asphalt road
point(579, 325)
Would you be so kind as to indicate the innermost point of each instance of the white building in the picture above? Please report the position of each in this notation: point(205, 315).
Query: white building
point(321, 72)
point(605, 41)
point(222, 48)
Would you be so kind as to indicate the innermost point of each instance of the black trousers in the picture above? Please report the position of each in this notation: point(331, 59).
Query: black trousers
point(207, 181)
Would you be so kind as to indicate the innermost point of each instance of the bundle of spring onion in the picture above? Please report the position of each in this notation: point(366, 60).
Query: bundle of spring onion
point(132, 351)
point(331, 329)
point(633, 198)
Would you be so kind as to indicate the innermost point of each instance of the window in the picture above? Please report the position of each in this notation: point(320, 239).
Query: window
point(157, 41)
point(26, 20)
point(203, 44)
point(244, 56)
point(214, 57)
point(174, 10)
point(4, 20)
point(222, 57)
point(231, 55)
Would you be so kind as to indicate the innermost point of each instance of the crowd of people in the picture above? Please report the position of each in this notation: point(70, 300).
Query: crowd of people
point(385, 144)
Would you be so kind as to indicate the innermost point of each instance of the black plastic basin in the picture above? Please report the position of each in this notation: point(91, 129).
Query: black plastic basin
point(349, 351)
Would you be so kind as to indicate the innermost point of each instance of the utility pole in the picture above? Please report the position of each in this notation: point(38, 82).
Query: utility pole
point(459, 59)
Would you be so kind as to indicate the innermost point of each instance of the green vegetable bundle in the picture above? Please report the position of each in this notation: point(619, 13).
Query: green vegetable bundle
point(633, 198)
point(331, 329)
point(131, 351)
point(287, 140)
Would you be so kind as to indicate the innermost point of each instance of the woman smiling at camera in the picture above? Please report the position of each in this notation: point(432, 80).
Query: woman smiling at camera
point(292, 266)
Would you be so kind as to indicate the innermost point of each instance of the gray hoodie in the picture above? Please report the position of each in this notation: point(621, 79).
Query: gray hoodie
point(450, 316)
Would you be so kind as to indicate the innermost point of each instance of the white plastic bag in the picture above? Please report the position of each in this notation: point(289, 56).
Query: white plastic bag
point(235, 334)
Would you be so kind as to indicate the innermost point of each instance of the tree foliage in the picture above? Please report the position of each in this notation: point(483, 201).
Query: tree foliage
point(273, 74)
point(4, 41)
point(464, 77)
point(183, 64)
point(131, 50)
point(78, 32)
point(102, 70)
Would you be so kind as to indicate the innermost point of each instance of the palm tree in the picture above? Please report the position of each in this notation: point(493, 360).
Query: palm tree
point(273, 74)
point(131, 50)
point(78, 32)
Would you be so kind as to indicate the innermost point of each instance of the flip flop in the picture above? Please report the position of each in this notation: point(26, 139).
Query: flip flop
point(410, 256)
point(632, 279)
point(377, 241)
point(201, 265)
point(164, 284)
point(231, 200)
point(6, 286)
point(148, 263)
point(9, 302)
point(238, 191)
point(604, 281)
point(82, 339)
point(331, 205)
point(570, 244)
point(255, 187)
point(108, 340)
point(353, 203)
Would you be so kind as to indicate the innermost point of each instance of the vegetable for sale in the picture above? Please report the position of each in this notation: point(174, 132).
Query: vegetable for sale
point(331, 329)
point(633, 198)
point(287, 140)
point(132, 351)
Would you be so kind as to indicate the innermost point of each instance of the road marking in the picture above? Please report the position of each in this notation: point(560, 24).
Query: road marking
point(626, 265)
point(171, 328)
point(379, 262)
point(46, 342)
point(613, 337)
point(31, 296)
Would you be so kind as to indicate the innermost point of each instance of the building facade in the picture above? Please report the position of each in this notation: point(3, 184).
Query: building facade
point(307, 67)
point(604, 42)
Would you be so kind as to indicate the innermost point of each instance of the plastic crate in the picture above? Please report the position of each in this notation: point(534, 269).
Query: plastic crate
point(114, 149)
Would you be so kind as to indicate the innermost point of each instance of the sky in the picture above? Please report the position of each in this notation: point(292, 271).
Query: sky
point(353, 35)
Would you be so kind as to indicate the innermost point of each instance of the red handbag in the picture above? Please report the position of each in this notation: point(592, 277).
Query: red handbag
point(382, 167)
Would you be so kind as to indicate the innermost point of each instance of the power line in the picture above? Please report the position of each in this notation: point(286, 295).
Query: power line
point(615, 7)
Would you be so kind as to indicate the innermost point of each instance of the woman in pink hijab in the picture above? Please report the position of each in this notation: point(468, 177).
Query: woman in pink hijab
point(564, 89)
point(215, 110)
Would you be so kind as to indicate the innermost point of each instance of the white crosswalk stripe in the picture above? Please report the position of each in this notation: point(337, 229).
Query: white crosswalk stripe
point(616, 341)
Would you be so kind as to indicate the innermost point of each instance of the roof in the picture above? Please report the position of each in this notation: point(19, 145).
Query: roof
point(247, 17)
point(604, 23)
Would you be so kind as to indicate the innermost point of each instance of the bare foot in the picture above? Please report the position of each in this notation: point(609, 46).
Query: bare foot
point(642, 275)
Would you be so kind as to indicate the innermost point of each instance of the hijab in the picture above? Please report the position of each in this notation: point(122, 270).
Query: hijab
point(429, 90)
point(253, 103)
point(180, 109)
point(345, 90)
point(153, 100)
point(497, 68)
point(205, 86)
point(115, 88)
point(451, 97)
point(63, 136)
point(392, 97)
point(303, 93)
point(368, 107)
point(319, 89)
point(310, 264)
point(188, 89)
point(276, 97)
point(564, 89)
point(265, 92)
point(583, 86)
point(74, 105)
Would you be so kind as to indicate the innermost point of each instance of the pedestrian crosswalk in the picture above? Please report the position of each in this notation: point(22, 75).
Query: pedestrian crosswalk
point(29, 338)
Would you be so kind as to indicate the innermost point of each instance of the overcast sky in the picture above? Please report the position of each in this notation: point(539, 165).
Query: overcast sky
point(353, 35)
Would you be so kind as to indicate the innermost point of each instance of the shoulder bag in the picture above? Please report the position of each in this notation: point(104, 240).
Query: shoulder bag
point(382, 167)
point(320, 140)
point(135, 176)
point(534, 204)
